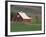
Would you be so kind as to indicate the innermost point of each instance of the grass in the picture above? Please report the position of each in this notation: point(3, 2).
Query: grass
point(15, 27)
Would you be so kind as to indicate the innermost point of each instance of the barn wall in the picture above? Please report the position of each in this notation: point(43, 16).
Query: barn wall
point(27, 20)
point(17, 19)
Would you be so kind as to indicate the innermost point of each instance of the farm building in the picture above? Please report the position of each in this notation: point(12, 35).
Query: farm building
point(22, 17)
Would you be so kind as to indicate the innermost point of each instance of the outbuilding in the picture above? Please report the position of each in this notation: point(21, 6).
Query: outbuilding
point(22, 17)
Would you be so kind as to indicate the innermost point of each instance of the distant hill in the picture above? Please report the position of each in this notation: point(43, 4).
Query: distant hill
point(29, 10)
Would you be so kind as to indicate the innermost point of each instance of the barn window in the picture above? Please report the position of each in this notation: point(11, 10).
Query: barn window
point(18, 15)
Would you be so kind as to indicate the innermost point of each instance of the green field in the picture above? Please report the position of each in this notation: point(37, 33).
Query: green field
point(15, 27)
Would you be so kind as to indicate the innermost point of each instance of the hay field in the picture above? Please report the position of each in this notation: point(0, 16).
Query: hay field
point(16, 27)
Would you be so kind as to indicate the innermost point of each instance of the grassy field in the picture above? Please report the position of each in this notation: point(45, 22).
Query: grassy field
point(15, 27)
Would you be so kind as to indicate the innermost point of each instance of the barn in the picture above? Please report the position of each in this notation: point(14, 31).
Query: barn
point(22, 17)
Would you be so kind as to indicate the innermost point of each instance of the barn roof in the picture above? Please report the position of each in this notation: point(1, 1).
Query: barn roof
point(23, 15)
